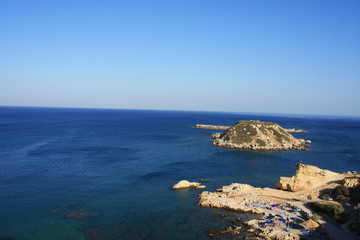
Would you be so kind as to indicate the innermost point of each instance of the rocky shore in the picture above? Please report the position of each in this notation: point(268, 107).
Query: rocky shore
point(286, 211)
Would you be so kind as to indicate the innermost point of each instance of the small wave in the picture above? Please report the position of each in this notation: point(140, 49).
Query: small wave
point(33, 147)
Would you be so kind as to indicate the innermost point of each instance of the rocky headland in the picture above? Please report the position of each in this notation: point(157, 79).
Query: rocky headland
point(293, 130)
point(211, 127)
point(257, 135)
point(308, 177)
point(286, 211)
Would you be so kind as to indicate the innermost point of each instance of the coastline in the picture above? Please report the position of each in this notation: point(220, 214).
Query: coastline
point(282, 210)
point(287, 212)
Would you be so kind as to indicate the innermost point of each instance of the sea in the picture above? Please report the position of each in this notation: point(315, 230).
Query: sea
point(74, 174)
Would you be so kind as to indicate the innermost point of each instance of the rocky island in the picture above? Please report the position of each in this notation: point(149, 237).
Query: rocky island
point(257, 135)
point(219, 127)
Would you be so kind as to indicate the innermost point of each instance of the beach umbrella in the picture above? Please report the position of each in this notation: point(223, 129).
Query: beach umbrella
point(261, 224)
point(306, 232)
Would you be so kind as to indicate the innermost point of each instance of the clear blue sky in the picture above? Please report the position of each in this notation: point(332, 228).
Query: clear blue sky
point(245, 56)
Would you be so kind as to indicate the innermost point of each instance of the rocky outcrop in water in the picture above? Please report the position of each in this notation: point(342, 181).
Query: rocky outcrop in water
point(293, 130)
point(211, 127)
point(256, 135)
point(306, 177)
point(186, 184)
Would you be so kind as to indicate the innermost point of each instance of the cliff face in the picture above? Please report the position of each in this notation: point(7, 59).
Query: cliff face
point(306, 177)
point(256, 135)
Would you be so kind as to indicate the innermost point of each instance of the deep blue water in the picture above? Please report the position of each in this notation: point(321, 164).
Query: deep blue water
point(120, 164)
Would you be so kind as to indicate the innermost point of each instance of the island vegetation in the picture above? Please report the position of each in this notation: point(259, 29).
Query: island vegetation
point(257, 135)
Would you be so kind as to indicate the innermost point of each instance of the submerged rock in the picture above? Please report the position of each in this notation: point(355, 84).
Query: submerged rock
point(256, 135)
point(80, 214)
point(205, 180)
point(92, 234)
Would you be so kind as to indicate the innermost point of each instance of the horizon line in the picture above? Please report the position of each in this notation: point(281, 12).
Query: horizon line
point(185, 110)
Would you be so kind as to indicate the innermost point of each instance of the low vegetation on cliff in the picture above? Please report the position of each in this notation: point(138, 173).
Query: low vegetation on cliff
point(334, 211)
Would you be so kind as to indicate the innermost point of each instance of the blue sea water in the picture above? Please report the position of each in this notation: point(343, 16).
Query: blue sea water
point(119, 166)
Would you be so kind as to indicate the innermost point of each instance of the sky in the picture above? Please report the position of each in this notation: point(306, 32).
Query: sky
point(300, 57)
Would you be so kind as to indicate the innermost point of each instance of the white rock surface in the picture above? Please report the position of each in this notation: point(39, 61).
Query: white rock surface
point(187, 184)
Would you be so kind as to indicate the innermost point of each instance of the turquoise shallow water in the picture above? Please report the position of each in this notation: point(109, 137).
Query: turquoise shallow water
point(119, 166)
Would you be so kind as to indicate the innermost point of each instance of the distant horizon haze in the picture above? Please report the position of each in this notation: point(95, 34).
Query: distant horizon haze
point(283, 114)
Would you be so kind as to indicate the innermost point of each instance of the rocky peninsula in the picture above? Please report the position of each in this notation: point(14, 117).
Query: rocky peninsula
point(286, 211)
point(257, 135)
point(219, 127)
point(211, 127)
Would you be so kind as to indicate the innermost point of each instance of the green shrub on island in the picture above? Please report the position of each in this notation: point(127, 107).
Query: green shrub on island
point(315, 217)
point(260, 142)
point(354, 194)
point(341, 193)
point(326, 197)
point(355, 227)
point(334, 211)
point(341, 198)
point(309, 197)
point(280, 136)
point(341, 190)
